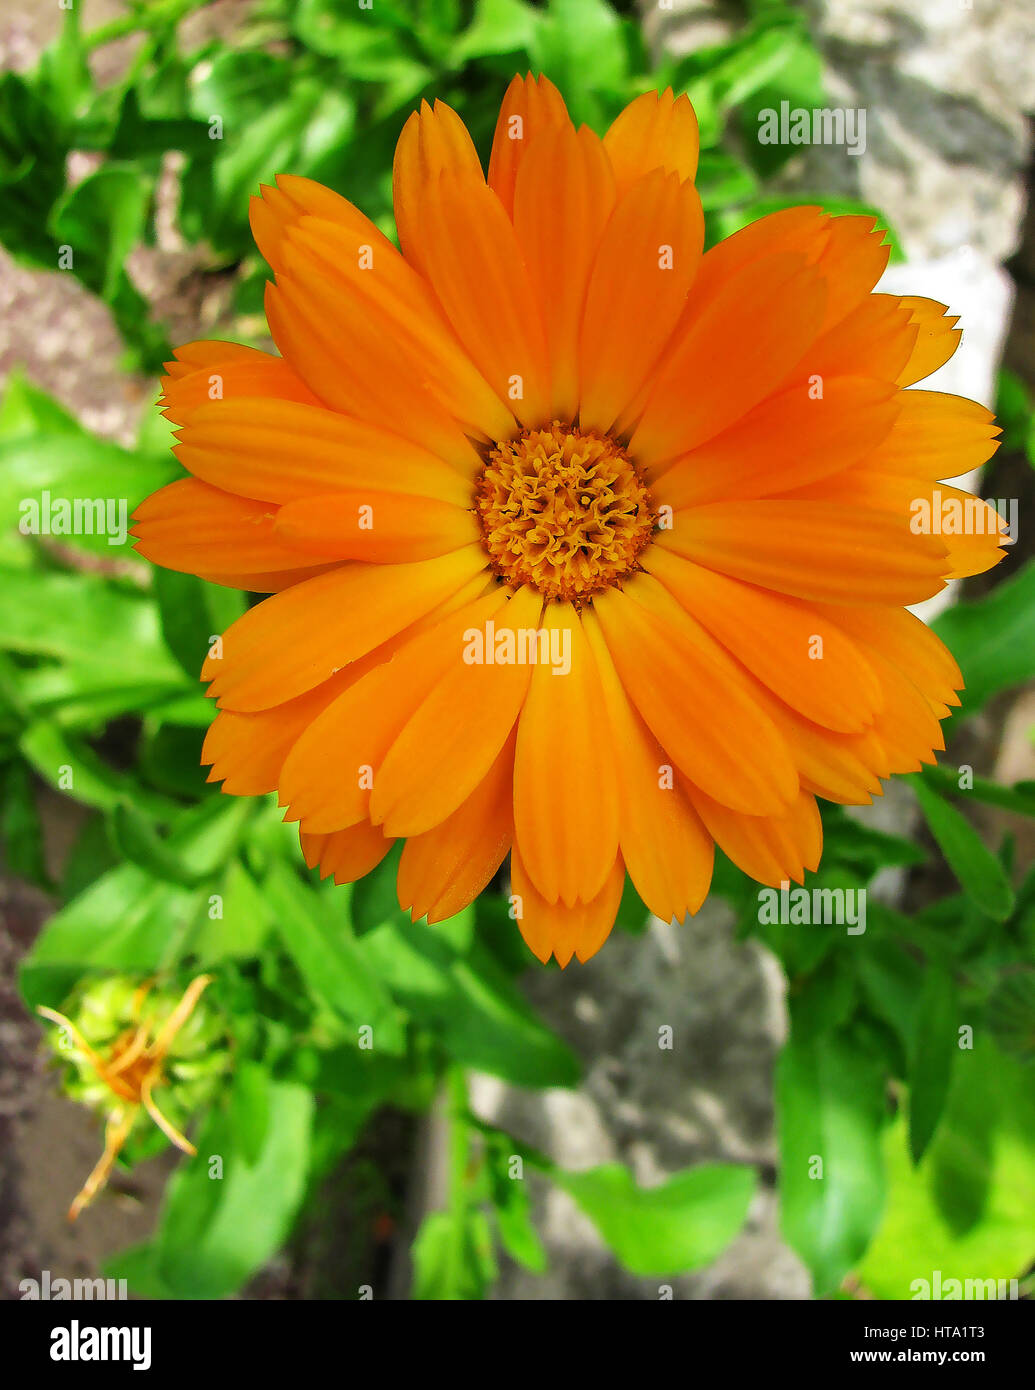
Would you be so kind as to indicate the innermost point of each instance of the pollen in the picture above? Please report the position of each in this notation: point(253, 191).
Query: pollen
point(563, 510)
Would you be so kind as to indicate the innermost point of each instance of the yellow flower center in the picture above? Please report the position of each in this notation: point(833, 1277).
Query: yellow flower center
point(563, 510)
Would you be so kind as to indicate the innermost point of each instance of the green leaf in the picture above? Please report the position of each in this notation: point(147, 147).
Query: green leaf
point(244, 922)
point(101, 219)
point(20, 829)
point(449, 1264)
point(682, 1224)
point(993, 639)
point(980, 874)
point(73, 768)
point(722, 179)
point(192, 612)
point(331, 963)
point(112, 627)
point(226, 1214)
point(830, 1105)
point(250, 1109)
point(468, 1000)
point(934, 1046)
point(580, 43)
point(374, 897)
point(968, 1209)
point(63, 78)
point(124, 921)
point(498, 26)
point(137, 841)
point(1019, 798)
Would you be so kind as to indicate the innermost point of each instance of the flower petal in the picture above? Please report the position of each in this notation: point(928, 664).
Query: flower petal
point(565, 791)
point(278, 451)
point(936, 340)
point(191, 527)
point(646, 262)
point(787, 440)
point(473, 262)
point(445, 869)
point(812, 550)
point(433, 141)
point(295, 640)
point(327, 778)
point(347, 854)
point(800, 656)
point(665, 847)
point(456, 732)
point(770, 849)
point(744, 343)
point(656, 131)
point(380, 527)
point(553, 928)
point(531, 106)
point(695, 699)
point(562, 201)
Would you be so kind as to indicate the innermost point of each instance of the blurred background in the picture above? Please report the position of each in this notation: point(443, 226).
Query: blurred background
point(133, 135)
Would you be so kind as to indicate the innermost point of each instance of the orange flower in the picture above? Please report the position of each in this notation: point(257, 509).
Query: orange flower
point(694, 476)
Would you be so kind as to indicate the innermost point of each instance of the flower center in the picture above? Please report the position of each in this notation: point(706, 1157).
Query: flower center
point(563, 510)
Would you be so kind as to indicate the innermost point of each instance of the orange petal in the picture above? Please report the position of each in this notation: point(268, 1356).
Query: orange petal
point(278, 208)
point(907, 642)
point(696, 700)
point(382, 527)
point(445, 869)
point(800, 656)
point(351, 359)
point(907, 726)
point(530, 107)
point(194, 528)
point(813, 550)
point(389, 295)
point(433, 141)
point(562, 202)
point(278, 451)
point(656, 131)
point(347, 854)
point(565, 792)
point(936, 340)
point(455, 734)
point(473, 262)
point(666, 849)
point(327, 778)
point(785, 441)
point(293, 641)
point(552, 928)
point(876, 339)
point(744, 343)
point(970, 529)
point(770, 849)
point(936, 436)
point(247, 751)
point(213, 371)
point(646, 262)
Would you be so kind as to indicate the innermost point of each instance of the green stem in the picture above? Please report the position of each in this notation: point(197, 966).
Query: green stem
point(459, 1160)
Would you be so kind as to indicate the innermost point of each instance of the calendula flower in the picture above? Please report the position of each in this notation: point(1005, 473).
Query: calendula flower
point(694, 477)
point(126, 1042)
